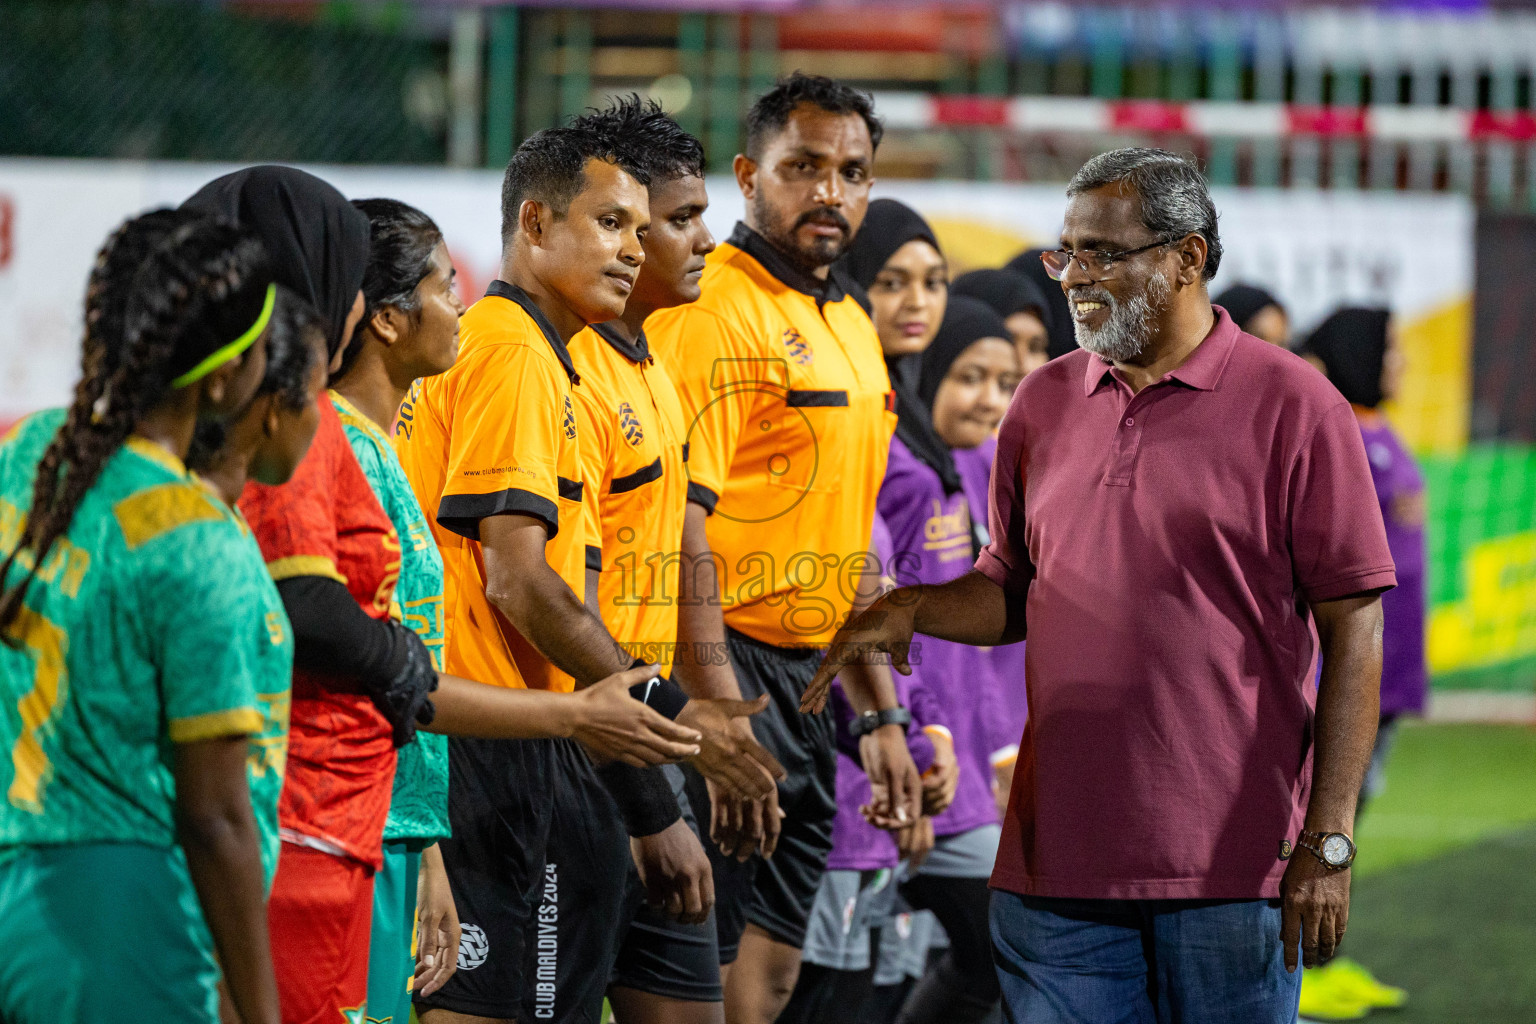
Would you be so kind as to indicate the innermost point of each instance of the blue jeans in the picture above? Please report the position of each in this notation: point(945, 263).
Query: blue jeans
point(1064, 961)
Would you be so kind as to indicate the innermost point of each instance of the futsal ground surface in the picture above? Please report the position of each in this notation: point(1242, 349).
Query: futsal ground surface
point(1445, 883)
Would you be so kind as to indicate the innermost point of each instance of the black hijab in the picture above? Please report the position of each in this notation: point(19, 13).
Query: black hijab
point(317, 239)
point(1059, 326)
point(1243, 301)
point(966, 321)
point(1006, 291)
point(1352, 343)
point(888, 226)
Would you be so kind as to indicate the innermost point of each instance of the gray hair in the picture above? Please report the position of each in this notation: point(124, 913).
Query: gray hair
point(1174, 198)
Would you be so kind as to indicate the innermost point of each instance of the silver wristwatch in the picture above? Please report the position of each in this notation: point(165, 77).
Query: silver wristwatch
point(1335, 849)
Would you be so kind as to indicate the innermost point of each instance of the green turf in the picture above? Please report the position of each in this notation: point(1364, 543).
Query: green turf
point(1457, 931)
point(1447, 786)
point(1445, 889)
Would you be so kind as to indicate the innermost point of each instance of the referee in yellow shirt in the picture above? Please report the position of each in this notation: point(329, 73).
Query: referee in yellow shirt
point(790, 417)
point(633, 455)
point(492, 448)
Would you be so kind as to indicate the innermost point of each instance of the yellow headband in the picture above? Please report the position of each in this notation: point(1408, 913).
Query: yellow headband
point(224, 354)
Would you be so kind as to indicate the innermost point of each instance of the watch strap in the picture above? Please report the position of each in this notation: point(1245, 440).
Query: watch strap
point(869, 721)
point(1313, 842)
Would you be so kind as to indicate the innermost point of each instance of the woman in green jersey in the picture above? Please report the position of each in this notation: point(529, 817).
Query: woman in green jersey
point(143, 678)
point(409, 329)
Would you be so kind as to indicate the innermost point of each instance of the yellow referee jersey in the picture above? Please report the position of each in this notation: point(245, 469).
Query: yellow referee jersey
point(493, 435)
point(790, 416)
point(636, 488)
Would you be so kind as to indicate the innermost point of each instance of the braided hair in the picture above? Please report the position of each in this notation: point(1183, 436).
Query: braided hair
point(168, 288)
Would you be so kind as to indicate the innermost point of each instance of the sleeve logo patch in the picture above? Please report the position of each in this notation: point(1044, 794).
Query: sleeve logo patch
point(1286, 849)
point(799, 348)
point(570, 419)
point(630, 424)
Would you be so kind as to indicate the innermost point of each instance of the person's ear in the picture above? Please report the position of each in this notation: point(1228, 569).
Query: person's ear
point(533, 219)
point(1192, 254)
point(388, 324)
point(271, 419)
point(745, 169)
point(216, 384)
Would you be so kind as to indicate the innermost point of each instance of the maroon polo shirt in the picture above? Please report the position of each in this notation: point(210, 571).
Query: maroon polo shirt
point(1166, 545)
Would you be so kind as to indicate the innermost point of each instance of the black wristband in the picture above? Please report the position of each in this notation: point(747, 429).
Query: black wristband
point(645, 798)
point(869, 721)
point(662, 696)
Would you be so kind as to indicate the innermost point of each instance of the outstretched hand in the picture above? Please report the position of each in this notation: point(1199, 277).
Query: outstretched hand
point(729, 755)
point(884, 628)
point(613, 726)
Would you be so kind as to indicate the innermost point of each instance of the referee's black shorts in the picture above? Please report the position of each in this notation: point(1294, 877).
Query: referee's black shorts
point(538, 864)
point(777, 893)
point(658, 955)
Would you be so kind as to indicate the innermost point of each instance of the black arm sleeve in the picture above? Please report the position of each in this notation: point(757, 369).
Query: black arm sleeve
point(332, 635)
point(388, 661)
point(645, 797)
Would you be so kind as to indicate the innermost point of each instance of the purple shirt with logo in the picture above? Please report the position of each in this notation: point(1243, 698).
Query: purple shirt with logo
point(931, 543)
point(1008, 707)
point(1400, 490)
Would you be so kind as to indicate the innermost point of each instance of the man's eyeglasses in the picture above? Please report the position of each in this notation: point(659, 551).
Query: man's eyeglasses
point(1095, 262)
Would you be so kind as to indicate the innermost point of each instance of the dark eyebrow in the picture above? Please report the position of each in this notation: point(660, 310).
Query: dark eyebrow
point(807, 151)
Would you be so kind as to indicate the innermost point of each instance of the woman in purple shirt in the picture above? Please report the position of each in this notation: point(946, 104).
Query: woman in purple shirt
point(1027, 313)
point(1358, 351)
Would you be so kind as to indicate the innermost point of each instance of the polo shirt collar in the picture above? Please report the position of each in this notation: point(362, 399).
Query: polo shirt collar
point(637, 351)
point(833, 289)
point(1201, 371)
point(502, 289)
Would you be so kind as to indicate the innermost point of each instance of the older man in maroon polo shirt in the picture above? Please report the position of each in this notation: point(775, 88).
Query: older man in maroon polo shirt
point(1174, 508)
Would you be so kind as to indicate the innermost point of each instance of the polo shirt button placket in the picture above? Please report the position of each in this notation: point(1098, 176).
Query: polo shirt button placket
point(1123, 459)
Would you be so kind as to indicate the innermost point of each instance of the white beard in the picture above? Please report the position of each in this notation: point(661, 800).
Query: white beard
point(1129, 328)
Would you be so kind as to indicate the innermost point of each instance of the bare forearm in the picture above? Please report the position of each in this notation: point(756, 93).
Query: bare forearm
point(223, 851)
point(869, 687)
point(970, 609)
point(1348, 708)
point(701, 667)
point(561, 628)
point(468, 708)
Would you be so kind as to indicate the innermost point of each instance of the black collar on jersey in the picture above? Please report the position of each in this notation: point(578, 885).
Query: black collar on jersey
point(833, 289)
point(511, 291)
point(637, 351)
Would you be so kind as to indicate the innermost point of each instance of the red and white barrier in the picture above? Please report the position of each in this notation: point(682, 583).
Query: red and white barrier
point(1204, 118)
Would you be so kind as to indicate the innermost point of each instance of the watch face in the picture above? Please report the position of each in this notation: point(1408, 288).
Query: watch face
point(1336, 850)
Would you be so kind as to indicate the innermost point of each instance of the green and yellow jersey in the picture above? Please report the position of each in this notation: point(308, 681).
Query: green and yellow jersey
point(152, 622)
point(418, 807)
